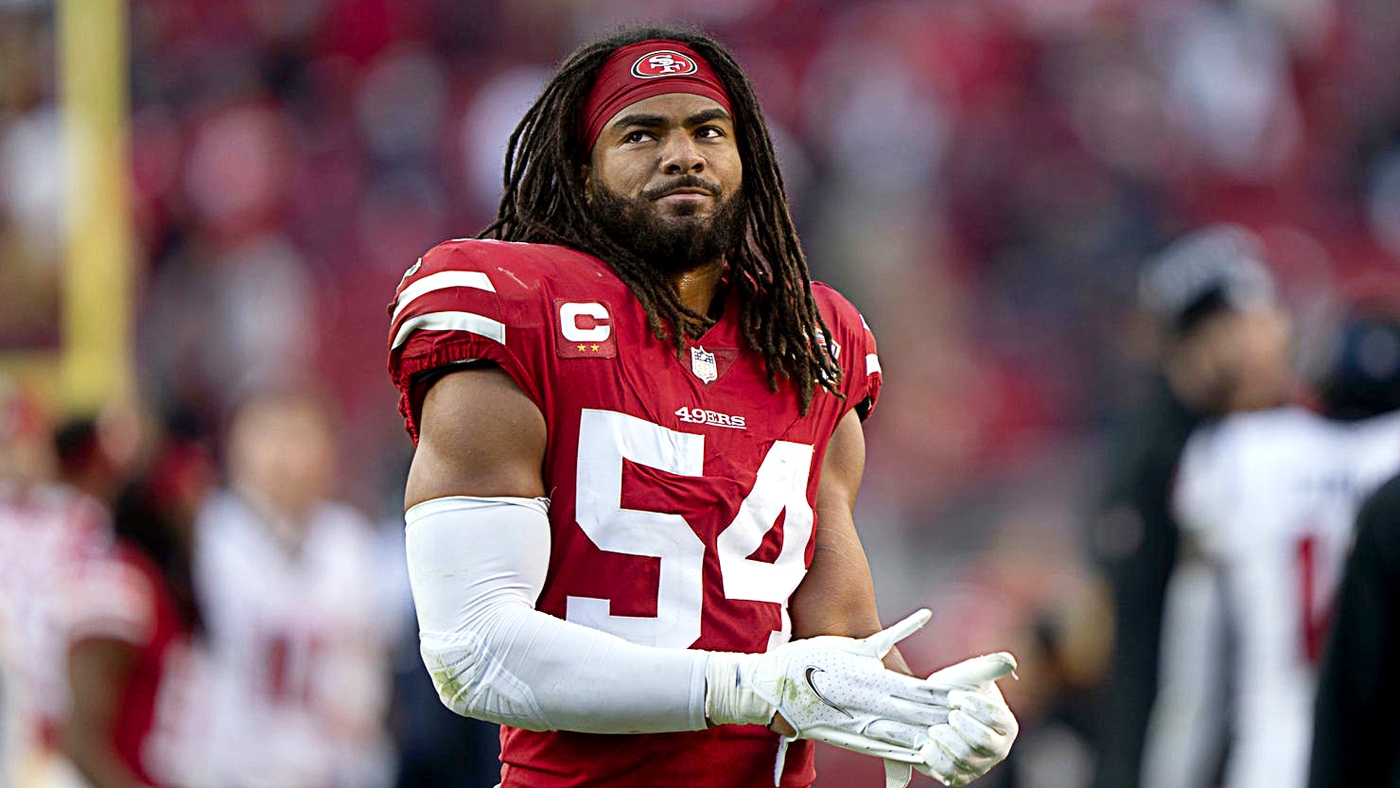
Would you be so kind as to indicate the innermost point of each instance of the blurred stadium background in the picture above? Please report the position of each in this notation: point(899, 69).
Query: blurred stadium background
point(202, 198)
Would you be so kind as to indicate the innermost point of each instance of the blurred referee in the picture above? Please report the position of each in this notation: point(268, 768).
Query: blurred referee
point(1225, 348)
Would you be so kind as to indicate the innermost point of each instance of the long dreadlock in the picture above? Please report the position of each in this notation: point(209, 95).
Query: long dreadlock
point(544, 202)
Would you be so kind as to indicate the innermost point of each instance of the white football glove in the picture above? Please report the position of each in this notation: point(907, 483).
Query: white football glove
point(979, 728)
point(834, 690)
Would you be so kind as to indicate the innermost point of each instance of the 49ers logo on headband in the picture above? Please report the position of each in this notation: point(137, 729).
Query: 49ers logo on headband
point(663, 63)
point(642, 70)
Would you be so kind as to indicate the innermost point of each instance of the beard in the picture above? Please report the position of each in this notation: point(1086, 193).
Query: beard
point(675, 242)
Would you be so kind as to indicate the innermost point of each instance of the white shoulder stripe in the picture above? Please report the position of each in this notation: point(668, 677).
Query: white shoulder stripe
point(872, 364)
point(440, 281)
point(451, 321)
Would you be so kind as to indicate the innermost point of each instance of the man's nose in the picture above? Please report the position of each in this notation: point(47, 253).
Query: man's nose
point(681, 155)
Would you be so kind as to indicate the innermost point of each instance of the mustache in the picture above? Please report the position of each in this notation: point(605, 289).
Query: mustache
point(683, 182)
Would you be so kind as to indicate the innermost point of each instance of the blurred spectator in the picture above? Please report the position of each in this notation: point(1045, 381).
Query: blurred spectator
point(32, 183)
point(1224, 349)
point(136, 672)
point(299, 625)
point(27, 452)
point(1267, 503)
point(1358, 690)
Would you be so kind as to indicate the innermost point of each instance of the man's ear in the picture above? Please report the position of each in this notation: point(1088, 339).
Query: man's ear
point(587, 172)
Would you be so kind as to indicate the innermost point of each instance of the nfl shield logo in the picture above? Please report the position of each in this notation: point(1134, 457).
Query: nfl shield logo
point(703, 365)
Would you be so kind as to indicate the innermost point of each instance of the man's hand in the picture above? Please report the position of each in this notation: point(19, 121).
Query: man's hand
point(953, 725)
point(979, 728)
point(835, 690)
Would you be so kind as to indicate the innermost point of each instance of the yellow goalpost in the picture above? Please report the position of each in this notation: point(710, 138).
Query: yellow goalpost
point(97, 357)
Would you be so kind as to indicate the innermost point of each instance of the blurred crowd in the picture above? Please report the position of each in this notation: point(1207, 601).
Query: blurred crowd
point(985, 179)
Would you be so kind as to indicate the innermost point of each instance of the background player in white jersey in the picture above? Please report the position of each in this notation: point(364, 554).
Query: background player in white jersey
point(296, 623)
point(1222, 347)
point(1267, 503)
point(45, 529)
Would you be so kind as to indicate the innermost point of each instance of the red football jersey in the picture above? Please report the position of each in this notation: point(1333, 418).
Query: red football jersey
point(683, 489)
point(122, 596)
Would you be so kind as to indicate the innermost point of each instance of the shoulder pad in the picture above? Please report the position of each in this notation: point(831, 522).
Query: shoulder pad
point(471, 300)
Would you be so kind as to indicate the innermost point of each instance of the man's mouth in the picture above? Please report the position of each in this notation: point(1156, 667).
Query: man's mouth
point(687, 190)
point(684, 197)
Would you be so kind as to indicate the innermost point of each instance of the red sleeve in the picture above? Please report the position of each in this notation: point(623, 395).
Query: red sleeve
point(112, 597)
point(856, 353)
point(463, 301)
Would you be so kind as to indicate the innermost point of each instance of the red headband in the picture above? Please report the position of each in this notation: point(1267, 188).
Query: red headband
point(642, 70)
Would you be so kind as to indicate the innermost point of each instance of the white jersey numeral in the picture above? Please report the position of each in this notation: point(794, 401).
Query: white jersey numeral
point(606, 438)
point(781, 484)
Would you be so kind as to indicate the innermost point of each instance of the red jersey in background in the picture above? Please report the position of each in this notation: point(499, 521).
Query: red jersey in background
point(121, 595)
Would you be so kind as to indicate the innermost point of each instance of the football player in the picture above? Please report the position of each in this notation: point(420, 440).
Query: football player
point(46, 530)
point(1267, 503)
point(638, 425)
point(136, 673)
point(1223, 347)
point(298, 628)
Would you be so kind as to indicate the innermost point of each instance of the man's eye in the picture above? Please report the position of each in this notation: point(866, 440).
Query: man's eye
point(637, 136)
point(709, 132)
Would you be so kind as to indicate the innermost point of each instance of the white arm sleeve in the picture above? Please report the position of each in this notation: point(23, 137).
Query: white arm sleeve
point(476, 566)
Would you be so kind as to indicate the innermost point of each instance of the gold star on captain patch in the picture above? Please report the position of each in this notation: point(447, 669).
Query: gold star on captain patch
point(595, 348)
point(582, 348)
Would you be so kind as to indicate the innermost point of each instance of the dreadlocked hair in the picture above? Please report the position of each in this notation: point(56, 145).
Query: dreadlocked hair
point(544, 202)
